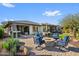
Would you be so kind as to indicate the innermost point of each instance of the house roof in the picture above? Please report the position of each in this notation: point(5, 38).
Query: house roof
point(7, 23)
point(21, 22)
point(48, 24)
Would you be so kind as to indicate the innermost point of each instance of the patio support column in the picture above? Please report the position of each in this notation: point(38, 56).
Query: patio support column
point(30, 29)
point(41, 28)
point(12, 30)
point(16, 31)
point(46, 27)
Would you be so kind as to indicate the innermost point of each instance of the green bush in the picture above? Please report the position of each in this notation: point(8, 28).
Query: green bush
point(11, 45)
point(61, 36)
point(1, 32)
point(5, 45)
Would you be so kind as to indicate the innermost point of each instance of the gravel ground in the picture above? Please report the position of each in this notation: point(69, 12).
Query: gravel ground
point(49, 51)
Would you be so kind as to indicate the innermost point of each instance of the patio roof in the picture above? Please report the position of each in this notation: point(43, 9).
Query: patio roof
point(22, 22)
point(47, 24)
point(7, 23)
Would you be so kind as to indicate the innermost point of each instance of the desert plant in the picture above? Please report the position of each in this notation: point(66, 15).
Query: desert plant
point(11, 45)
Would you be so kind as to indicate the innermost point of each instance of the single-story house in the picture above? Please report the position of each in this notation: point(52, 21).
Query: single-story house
point(18, 28)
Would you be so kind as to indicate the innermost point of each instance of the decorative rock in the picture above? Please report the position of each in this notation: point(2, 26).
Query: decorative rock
point(26, 51)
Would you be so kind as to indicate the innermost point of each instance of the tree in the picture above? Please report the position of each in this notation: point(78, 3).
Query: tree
point(71, 23)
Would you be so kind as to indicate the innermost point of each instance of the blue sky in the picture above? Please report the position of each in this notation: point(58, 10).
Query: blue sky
point(39, 12)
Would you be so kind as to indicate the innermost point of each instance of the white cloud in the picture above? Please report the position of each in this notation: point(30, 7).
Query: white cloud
point(52, 13)
point(9, 19)
point(8, 5)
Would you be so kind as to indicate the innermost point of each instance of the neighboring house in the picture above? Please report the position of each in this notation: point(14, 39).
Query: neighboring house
point(18, 28)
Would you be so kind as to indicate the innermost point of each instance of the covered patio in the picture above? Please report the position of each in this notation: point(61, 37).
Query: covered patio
point(18, 28)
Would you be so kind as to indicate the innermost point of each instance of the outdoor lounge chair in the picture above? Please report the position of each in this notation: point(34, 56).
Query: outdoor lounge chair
point(63, 43)
point(38, 40)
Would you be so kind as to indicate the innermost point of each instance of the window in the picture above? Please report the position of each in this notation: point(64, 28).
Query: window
point(35, 28)
point(19, 28)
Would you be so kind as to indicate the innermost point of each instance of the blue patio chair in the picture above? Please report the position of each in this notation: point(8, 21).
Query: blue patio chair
point(63, 43)
point(38, 39)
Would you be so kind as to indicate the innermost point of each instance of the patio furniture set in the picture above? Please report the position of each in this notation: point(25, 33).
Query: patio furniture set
point(61, 44)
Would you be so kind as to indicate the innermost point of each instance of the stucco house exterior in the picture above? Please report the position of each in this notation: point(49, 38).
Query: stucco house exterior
point(18, 28)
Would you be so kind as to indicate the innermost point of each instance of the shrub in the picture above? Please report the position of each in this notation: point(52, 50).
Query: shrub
point(1, 32)
point(11, 45)
point(5, 45)
point(61, 36)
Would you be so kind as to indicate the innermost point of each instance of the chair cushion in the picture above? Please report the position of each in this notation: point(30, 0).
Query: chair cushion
point(63, 42)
